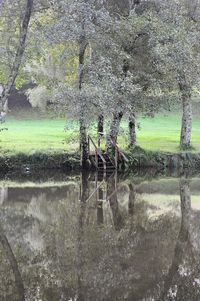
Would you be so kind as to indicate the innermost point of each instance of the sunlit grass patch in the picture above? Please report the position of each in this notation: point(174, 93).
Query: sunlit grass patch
point(56, 135)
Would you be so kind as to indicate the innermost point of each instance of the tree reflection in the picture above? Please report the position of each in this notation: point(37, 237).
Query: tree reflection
point(13, 263)
point(80, 259)
point(84, 187)
point(183, 247)
point(109, 245)
point(131, 200)
point(114, 205)
point(84, 195)
point(98, 188)
point(3, 194)
point(100, 198)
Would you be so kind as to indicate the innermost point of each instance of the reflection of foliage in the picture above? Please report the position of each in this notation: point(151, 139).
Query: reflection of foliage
point(79, 256)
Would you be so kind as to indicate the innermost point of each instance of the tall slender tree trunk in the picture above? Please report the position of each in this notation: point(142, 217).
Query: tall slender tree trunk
point(186, 127)
point(83, 142)
point(18, 57)
point(116, 119)
point(82, 120)
point(100, 128)
point(132, 131)
point(114, 131)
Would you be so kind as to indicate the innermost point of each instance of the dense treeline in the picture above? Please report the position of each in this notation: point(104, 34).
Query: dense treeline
point(102, 59)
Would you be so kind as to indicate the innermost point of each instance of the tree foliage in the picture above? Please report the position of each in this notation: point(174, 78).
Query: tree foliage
point(94, 57)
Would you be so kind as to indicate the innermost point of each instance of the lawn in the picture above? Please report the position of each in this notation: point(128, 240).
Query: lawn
point(55, 135)
point(162, 133)
point(29, 136)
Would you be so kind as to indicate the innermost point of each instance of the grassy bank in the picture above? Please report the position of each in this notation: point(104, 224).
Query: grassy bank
point(56, 136)
point(162, 133)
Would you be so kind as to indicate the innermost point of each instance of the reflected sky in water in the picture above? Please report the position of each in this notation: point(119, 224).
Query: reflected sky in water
point(89, 237)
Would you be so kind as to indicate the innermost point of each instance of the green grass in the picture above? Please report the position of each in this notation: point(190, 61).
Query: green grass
point(162, 133)
point(29, 136)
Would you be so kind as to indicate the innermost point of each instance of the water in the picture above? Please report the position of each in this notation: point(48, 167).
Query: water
point(84, 238)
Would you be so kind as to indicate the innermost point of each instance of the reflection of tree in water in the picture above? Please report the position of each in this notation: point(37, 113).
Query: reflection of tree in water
point(84, 195)
point(179, 282)
point(107, 261)
point(131, 200)
point(80, 258)
point(100, 196)
point(107, 251)
point(13, 264)
point(3, 194)
point(118, 219)
point(92, 189)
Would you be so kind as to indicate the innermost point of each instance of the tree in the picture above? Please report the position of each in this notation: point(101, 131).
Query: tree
point(110, 82)
point(174, 34)
point(99, 87)
point(132, 37)
point(14, 70)
point(78, 24)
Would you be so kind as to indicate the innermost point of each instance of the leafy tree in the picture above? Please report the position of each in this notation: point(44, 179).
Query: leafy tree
point(98, 86)
point(174, 35)
point(16, 61)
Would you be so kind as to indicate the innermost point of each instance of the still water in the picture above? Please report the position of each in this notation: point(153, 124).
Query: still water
point(86, 238)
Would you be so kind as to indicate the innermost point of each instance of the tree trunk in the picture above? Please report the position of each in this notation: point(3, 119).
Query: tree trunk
point(84, 187)
point(18, 57)
point(186, 128)
point(114, 131)
point(132, 131)
point(82, 121)
point(100, 128)
point(83, 142)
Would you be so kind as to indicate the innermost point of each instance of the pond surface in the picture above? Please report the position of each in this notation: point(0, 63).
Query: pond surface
point(86, 238)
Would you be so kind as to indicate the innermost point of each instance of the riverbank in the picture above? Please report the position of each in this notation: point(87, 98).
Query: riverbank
point(183, 159)
point(138, 159)
point(35, 144)
point(26, 163)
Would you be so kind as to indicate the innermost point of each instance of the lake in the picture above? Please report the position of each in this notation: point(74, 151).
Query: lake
point(87, 237)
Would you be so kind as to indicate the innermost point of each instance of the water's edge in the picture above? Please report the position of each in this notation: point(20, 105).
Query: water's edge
point(71, 162)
